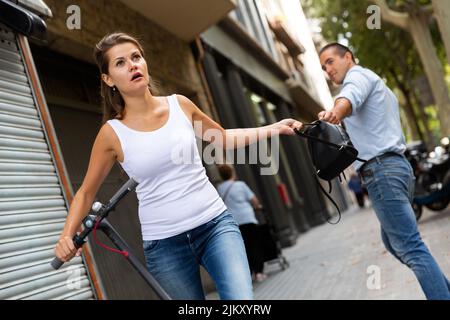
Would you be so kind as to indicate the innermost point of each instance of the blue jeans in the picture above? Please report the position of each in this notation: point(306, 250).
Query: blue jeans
point(390, 183)
point(216, 245)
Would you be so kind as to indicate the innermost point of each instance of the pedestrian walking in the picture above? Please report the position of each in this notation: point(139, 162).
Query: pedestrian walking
point(242, 202)
point(355, 185)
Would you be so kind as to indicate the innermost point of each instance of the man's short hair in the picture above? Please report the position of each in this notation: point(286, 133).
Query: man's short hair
point(340, 49)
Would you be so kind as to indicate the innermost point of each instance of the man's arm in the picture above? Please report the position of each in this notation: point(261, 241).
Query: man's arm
point(355, 91)
point(342, 108)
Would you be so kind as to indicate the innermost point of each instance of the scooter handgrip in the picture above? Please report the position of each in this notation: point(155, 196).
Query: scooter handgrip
point(56, 263)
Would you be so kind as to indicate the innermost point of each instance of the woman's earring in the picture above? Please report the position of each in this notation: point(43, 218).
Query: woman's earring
point(114, 88)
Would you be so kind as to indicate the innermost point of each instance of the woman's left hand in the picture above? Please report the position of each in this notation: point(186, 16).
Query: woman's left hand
point(287, 126)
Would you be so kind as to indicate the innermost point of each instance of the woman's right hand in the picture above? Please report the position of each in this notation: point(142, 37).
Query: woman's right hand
point(287, 126)
point(65, 249)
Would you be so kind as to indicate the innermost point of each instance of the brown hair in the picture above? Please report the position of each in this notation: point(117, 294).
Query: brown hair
point(113, 103)
point(225, 171)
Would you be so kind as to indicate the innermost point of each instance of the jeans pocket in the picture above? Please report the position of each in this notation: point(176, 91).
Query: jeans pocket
point(371, 183)
point(224, 220)
point(228, 218)
point(367, 177)
point(223, 216)
point(150, 244)
point(397, 186)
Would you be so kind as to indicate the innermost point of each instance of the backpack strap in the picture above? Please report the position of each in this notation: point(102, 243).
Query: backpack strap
point(329, 198)
point(227, 191)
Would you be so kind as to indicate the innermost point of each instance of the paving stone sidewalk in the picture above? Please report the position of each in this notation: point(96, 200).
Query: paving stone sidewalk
point(342, 262)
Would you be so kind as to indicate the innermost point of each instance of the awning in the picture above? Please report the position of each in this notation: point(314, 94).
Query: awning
point(37, 6)
point(22, 21)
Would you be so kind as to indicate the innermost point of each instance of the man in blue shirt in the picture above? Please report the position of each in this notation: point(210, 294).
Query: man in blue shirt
point(372, 119)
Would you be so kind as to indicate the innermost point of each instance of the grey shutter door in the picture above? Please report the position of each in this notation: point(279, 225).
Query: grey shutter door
point(32, 206)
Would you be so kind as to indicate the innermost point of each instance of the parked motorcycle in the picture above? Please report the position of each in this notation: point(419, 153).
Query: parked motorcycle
point(432, 173)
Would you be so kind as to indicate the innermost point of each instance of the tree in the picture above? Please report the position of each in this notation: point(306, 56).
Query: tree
point(442, 13)
point(388, 51)
point(415, 20)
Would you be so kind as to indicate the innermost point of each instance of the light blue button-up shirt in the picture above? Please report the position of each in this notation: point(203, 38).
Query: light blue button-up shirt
point(374, 125)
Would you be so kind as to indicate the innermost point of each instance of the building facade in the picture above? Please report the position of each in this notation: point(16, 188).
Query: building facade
point(255, 72)
point(239, 67)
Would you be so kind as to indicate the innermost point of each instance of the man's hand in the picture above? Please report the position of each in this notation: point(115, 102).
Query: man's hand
point(342, 108)
point(328, 116)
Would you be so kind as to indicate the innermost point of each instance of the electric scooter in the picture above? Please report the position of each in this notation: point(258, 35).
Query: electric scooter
point(97, 221)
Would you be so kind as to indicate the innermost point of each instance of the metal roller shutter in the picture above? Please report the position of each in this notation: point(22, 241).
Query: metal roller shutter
point(32, 205)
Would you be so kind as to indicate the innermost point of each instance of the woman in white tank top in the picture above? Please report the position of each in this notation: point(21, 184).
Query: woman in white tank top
point(184, 222)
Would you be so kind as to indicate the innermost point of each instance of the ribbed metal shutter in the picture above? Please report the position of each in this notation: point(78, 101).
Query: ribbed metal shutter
point(32, 205)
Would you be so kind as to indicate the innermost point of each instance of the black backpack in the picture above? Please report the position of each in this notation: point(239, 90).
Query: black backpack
point(331, 151)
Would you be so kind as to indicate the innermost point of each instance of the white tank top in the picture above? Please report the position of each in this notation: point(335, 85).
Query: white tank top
point(174, 192)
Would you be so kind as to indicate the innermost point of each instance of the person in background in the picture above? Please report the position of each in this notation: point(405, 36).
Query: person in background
point(355, 185)
point(241, 202)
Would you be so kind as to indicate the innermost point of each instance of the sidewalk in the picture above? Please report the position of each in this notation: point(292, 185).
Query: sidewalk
point(336, 261)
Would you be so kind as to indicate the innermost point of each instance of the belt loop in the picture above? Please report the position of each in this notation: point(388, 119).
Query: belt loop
point(378, 160)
